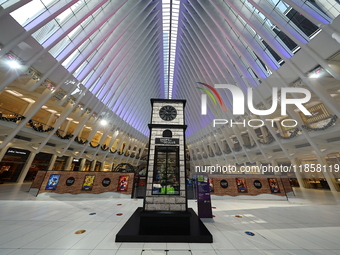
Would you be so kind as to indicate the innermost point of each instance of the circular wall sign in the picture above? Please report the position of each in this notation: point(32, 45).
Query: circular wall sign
point(106, 182)
point(70, 181)
point(257, 184)
point(224, 184)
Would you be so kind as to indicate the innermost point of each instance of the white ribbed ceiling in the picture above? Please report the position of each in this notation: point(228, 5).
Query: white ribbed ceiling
point(127, 51)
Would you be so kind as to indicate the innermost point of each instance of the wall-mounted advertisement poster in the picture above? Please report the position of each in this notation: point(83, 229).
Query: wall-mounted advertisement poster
point(53, 182)
point(88, 182)
point(241, 185)
point(123, 183)
point(274, 186)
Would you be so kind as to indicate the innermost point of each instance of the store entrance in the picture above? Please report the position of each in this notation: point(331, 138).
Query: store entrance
point(12, 164)
point(40, 163)
point(10, 170)
point(312, 179)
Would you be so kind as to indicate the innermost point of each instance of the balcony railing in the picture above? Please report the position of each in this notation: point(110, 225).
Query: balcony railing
point(39, 126)
point(104, 147)
point(63, 134)
point(237, 148)
point(288, 134)
point(226, 151)
point(94, 144)
point(322, 124)
point(266, 140)
point(80, 140)
point(7, 115)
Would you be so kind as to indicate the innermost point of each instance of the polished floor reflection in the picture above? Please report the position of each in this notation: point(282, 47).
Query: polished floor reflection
point(307, 224)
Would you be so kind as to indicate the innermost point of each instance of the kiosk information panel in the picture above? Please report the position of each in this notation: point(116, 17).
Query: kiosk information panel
point(203, 196)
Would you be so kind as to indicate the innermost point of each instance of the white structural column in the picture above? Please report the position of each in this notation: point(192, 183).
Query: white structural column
point(328, 175)
point(52, 162)
point(140, 154)
point(50, 119)
point(27, 166)
point(274, 164)
point(110, 166)
point(3, 151)
point(297, 173)
point(264, 134)
point(68, 163)
point(110, 144)
point(93, 165)
point(102, 166)
point(27, 109)
point(82, 164)
point(66, 112)
point(68, 122)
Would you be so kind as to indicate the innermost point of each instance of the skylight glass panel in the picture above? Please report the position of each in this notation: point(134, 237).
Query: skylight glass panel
point(170, 13)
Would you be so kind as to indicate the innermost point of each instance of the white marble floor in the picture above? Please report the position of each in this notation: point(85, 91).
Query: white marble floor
point(308, 224)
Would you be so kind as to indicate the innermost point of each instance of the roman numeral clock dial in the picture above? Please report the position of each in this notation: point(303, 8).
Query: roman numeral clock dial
point(168, 113)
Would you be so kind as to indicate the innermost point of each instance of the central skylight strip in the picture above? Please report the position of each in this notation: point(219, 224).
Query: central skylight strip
point(170, 13)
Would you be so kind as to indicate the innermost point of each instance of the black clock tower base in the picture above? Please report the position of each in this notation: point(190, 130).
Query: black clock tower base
point(160, 227)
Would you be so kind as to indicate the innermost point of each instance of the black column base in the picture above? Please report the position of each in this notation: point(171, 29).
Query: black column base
point(164, 227)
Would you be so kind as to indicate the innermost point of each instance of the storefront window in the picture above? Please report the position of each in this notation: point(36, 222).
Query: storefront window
point(60, 163)
point(40, 163)
point(75, 164)
point(12, 164)
point(333, 162)
point(312, 179)
point(166, 171)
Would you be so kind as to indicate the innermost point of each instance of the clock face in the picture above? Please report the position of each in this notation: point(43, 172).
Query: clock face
point(168, 113)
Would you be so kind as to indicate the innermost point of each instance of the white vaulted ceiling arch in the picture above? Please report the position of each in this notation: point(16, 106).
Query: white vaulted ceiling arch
point(124, 52)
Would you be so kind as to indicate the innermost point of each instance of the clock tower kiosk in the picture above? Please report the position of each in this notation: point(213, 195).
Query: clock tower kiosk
point(166, 174)
point(165, 216)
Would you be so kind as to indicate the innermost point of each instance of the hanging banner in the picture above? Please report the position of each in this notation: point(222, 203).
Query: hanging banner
point(203, 196)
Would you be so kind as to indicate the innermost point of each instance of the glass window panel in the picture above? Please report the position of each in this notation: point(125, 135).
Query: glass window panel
point(166, 171)
point(71, 58)
point(328, 8)
point(28, 12)
point(55, 51)
point(42, 34)
point(302, 23)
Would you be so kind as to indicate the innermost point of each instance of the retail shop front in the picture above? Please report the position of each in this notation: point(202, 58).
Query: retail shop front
point(12, 164)
point(312, 179)
point(40, 162)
